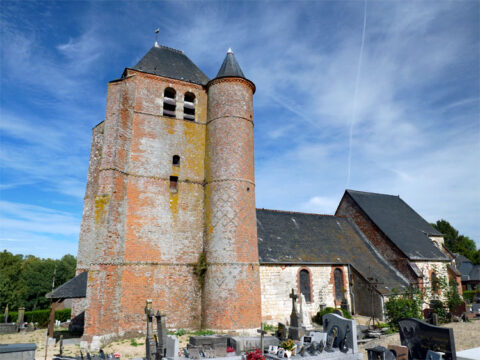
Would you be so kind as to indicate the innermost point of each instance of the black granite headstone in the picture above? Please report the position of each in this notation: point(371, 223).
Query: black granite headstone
point(420, 337)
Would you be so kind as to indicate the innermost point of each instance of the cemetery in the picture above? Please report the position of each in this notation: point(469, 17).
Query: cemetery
point(338, 338)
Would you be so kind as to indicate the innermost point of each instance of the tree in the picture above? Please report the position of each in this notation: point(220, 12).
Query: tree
point(12, 286)
point(25, 280)
point(457, 243)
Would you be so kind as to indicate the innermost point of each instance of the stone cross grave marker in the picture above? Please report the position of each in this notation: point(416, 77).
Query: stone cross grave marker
point(421, 337)
point(262, 333)
point(150, 345)
point(346, 332)
point(293, 315)
point(161, 334)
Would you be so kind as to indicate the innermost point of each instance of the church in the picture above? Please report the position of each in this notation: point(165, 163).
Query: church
point(169, 215)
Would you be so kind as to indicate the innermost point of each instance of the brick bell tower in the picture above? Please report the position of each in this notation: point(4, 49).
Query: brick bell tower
point(171, 182)
point(231, 294)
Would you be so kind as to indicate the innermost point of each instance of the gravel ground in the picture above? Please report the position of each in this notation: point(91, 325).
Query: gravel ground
point(467, 336)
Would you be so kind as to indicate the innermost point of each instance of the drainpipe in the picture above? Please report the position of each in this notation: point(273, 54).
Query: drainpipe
point(350, 286)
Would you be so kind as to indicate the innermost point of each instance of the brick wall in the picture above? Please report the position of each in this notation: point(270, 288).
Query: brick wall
point(139, 239)
point(348, 208)
point(231, 297)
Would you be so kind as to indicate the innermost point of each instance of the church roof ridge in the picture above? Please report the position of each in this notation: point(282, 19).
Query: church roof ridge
point(302, 213)
point(171, 63)
point(157, 45)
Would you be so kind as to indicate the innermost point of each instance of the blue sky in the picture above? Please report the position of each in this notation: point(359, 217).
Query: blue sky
point(392, 107)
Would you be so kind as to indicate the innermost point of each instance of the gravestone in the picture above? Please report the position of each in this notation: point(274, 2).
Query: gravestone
point(296, 329)
point(421, 337)
point(347, 331)
point(17, 351)
point(433, 355)
point(400, 352)
point(20, 318)
point(246, 343)
point(318, 336)
point(208, 340)
point(194, 353)
point(172, 346)
point(150, 345)
point(380, 353)
point(305, 317)
point(161, 334)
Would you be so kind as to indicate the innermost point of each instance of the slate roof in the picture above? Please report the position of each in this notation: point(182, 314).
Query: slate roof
point(230, 67)
point(297, 238)
point(73, 288)
point(401, 224)
point(466, 268)
point(171, 63)
point(475, 273)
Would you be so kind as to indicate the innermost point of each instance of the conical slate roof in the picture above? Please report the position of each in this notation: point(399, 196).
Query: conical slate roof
point(171, 63)
point(230, 67)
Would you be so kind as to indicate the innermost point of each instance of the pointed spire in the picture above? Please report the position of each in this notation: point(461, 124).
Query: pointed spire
point(230, 67)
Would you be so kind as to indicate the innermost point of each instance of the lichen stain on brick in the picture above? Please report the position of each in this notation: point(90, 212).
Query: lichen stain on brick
point(100, 204)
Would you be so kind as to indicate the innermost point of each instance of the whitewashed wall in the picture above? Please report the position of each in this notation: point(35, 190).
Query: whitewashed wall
point(277, 282)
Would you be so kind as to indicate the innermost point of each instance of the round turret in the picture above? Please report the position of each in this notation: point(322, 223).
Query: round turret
point(232, 284)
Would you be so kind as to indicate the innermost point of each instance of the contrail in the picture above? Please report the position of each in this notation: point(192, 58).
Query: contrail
point(357, 81)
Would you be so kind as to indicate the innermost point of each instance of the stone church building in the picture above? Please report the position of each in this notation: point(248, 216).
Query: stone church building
point(169, 215)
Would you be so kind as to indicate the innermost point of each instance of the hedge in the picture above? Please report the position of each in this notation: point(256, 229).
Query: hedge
point(328, 310)
point(41, 316)
point(468, 295)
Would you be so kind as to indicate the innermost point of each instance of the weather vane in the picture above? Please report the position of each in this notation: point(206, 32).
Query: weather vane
point(157, 30)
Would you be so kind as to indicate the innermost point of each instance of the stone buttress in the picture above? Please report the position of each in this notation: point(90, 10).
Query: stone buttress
point(231, 296)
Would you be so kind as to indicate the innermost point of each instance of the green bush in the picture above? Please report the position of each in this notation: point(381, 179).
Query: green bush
point(328, 310)
point(41, 316)
point(401, 306)
point(468, 295)
point(180, 332)
point(439, 309)
point(453, 297)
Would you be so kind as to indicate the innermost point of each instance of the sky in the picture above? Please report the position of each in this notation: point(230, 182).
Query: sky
point(373, 96)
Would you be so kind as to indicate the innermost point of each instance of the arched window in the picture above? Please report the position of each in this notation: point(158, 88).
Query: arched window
point(434, 283)
point(338, 280)
point(305, 285)
point(176, 160)
point(169, 102)
point(189, 106)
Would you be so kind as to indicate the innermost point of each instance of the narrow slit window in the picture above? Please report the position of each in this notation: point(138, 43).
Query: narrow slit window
point(338, 281)
point(169, 103)
point(176, 160)
point(305, 285)
point(173, 183)
point(189, 107)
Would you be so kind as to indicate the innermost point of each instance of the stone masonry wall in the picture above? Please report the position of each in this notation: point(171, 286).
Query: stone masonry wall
point(277, 281)
point(427, 267)
point(144, 239)
point(232, 285)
